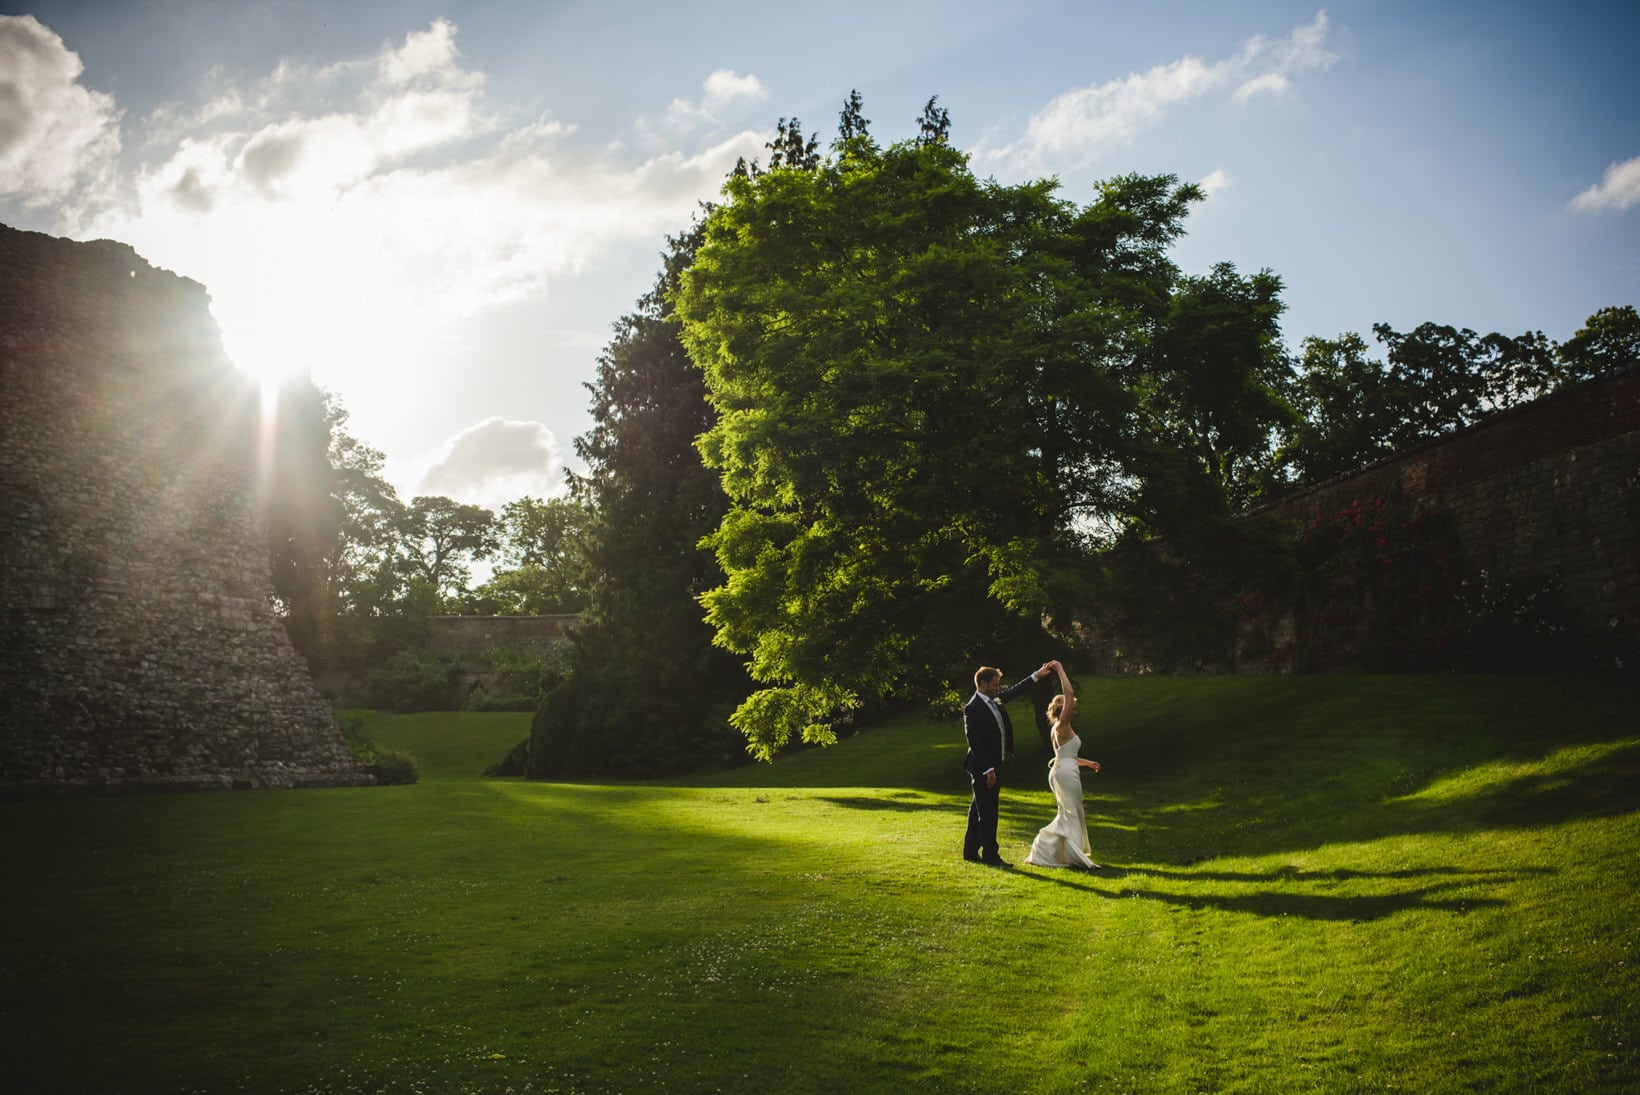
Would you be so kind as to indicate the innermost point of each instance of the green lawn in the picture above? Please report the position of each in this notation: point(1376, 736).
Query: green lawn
point(1324, 884)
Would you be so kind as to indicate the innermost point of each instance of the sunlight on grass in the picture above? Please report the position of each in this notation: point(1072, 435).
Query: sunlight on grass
point(1189, 807)
point(1554, 772)
point(1294, 898)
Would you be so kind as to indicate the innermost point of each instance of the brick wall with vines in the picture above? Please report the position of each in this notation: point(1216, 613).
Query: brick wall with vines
point(1513, 545)
point(1510, 546)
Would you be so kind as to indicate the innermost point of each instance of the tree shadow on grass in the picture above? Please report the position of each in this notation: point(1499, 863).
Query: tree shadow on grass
point(1203, 769)
point(903, 802)
point(1268, 812)
point(1491, 754)
point(1341, 874)
point(1282, 900)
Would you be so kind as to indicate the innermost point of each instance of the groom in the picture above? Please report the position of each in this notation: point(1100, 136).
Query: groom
point(990, 737)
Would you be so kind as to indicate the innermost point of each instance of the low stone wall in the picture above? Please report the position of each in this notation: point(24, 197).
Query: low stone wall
point(468, 637)
point(138, 645)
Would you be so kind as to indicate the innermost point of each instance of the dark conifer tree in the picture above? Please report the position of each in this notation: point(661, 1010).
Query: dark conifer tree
point(934, 126)
point(647, 693)
point(852, 123)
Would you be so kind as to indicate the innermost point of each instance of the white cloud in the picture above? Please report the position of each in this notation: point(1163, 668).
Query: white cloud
point(724, 87)
point(57, 138)
point(342, 216)
point(490, 464)
point(721, 90)
point(1215, 182)
point(1082, 125)
point(426, 55)
point(1268, 83)
point(1618, 189)
point(1305, 48)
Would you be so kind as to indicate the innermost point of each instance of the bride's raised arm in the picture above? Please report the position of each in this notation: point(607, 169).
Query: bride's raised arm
point(1068, 709)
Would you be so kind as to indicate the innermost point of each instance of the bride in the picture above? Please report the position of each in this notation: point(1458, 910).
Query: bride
point(1064, 842)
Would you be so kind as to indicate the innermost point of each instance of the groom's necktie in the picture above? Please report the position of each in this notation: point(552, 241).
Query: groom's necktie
point(1002, 728)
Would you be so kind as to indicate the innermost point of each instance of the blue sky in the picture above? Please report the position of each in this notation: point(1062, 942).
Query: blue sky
point(439, 209)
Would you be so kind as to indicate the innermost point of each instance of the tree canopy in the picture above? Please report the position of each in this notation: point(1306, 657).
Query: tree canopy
point(932, 392)
point(540, 560)
point(1354, 408)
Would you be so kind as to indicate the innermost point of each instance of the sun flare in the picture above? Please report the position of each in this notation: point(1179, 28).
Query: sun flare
point(288, 337)
point(260, 345)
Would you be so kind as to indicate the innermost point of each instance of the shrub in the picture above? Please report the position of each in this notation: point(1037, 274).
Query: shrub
point(553, 733)
point(515, 763)
point(413, 682)
point(393, 768)
point(390, 767)
point(521, 680)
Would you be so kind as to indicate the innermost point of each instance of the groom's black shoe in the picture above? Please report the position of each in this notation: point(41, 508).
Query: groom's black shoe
point(972, 858)
point(994, 860)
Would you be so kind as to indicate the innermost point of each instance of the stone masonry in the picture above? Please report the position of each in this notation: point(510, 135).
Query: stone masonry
point(140, 647)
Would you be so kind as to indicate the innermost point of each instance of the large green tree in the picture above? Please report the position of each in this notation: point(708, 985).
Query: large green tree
point(1347, 407)
point(331, 519)
point(439, 539)
point(1608, 340)
point(369, 507)
point(1218, 382)
point(923, 384)
point(302, 518)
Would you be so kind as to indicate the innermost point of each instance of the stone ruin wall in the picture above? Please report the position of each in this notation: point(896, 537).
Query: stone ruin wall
point(139, 649)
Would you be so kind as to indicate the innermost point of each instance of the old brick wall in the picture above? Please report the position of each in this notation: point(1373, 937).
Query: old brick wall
point(1542, 497)
point(468, 637)
point(1512, 545)
point(138, 646)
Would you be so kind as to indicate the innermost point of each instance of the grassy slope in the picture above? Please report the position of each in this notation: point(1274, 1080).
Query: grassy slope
point(1311, 884)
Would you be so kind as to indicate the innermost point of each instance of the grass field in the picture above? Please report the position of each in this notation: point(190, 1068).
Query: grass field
point(1320, 884)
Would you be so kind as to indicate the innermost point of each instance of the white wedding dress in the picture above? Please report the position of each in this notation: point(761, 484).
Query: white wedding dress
point(1064, 842)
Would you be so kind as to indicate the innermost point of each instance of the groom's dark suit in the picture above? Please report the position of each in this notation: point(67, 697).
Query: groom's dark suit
point(987, 742)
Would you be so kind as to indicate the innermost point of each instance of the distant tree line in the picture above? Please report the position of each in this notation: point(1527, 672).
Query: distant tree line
point(358, 573)
point(879, 420)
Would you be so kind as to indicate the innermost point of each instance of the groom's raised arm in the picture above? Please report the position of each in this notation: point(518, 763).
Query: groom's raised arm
point(1019, 686)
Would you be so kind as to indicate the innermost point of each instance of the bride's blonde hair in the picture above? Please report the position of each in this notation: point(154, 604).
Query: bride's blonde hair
point(1056, 705)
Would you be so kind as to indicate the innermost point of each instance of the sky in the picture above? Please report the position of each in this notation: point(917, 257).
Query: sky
point(439, 210)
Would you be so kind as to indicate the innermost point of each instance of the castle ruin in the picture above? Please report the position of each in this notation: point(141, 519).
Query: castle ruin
point(139, 646)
